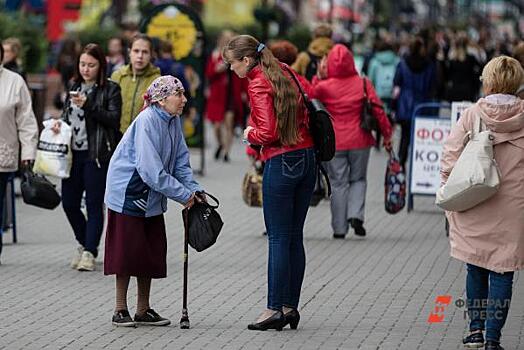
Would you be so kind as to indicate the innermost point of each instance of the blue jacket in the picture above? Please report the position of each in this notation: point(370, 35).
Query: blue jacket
point(150, 163)
point(415, 88)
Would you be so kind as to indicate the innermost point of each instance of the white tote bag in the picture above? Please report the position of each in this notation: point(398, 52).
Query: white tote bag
point(53, 154)
point(475, 176)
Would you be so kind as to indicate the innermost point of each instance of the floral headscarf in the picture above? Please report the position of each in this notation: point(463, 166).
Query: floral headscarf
point(161, 88)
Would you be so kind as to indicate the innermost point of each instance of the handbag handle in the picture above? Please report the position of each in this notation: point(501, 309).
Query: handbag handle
point(210, 196)
point(371, 103)
point(365, 89)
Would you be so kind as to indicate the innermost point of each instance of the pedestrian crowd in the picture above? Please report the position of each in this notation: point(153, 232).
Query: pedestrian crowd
point(129, 153)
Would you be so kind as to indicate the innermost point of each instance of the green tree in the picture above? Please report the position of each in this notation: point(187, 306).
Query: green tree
point(31, 35)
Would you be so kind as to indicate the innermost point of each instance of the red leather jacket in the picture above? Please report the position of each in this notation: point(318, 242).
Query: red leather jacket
point(263, 119)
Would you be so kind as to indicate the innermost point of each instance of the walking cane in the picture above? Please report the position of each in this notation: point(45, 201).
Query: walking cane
point(184, 321)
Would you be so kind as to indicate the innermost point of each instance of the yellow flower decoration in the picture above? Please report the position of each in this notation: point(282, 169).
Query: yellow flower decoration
point(177, 28)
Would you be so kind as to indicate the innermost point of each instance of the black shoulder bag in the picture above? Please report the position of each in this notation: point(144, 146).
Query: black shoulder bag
point(202, 223)
point(368, 121)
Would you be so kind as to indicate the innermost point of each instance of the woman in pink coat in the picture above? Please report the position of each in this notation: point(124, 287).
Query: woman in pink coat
point(489, 237)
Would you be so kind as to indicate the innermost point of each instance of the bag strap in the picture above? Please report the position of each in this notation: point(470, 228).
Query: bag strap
point(324, 173)
point(212, 197)
point(365, 89)
point(304, 95)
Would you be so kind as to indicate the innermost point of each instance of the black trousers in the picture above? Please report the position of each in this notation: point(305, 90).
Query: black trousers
point(405, 140)
point(3, 185)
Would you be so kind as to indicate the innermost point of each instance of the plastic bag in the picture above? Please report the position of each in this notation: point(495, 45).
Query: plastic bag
point(53, 155)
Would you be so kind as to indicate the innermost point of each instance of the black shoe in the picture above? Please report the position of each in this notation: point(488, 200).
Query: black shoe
point(276, 321)
point(339, 236)
point(474, 341)
point(493, 345)
point(358, 226)
point(226, 158)
point(217, 153)
point(151, 318)
point(121, 318)
point(292, 318)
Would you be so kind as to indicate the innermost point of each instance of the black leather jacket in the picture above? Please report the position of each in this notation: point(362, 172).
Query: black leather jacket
point(102, 108)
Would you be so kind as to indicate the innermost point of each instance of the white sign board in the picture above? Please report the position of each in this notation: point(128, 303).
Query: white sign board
point(456, 109)
point(429, 135)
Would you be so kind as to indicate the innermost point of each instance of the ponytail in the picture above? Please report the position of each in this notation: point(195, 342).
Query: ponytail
point(285, 98)
point(285, 94)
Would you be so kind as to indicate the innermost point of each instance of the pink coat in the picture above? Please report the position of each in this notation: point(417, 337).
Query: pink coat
point(491, 234)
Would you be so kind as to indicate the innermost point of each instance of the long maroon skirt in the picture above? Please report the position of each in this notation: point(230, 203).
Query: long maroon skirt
point(135, 246)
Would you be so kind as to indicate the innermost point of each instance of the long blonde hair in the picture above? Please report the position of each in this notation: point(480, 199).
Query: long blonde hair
point(285, 95)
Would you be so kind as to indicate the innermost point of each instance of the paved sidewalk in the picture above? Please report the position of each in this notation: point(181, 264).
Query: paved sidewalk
point(375, 293)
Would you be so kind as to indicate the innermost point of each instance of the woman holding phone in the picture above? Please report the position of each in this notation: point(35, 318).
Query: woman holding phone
point(92, 109)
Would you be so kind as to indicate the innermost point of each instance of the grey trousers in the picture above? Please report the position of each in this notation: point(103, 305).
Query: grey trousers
point(347, 172)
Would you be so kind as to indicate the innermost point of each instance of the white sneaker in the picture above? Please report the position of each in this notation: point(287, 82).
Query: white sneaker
point(77, 257)
point(87, 263)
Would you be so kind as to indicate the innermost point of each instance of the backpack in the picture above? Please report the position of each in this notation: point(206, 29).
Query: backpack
point(320, 125)
point(384, 79)
point(311, 68)
point(321, 129)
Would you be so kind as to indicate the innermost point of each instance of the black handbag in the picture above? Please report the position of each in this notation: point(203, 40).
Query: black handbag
point(368, 121)
point(202, 223)
point(38, 191)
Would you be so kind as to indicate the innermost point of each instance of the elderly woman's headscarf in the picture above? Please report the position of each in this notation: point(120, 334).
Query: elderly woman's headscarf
point(161, 88)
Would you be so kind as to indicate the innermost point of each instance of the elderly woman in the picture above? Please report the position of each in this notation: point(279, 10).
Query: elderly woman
point(18, 127)
point(488, 237)
point(12, 49)
point(150, 163)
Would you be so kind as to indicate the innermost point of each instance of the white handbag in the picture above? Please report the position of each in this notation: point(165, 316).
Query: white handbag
point(475, 176)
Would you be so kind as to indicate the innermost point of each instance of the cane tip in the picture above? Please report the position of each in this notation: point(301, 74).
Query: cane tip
point(184, 324)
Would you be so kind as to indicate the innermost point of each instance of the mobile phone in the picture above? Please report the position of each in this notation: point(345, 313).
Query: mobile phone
point(74, 93)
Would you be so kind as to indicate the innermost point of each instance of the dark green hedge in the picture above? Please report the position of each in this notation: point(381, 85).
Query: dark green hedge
point(31, 33)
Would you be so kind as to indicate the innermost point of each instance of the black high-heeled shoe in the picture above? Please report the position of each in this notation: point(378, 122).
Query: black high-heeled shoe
point(292, 318)
point(276, 321)
point(218, 151)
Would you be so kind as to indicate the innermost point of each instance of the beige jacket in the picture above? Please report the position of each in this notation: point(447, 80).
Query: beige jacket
point(318, 47)
point(17, 121)
point(491, 234)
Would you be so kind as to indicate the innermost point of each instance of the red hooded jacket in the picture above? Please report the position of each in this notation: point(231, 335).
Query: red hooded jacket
point(342, 93)
point(264, 121)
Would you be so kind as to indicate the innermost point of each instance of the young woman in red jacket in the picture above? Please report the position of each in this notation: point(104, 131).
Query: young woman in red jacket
point(279, 123)
point(341, 90)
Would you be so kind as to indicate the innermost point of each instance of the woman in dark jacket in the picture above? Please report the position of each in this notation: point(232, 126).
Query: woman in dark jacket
point(279, 124)
point(92, 108)
point(416, 78)
point(462, 73)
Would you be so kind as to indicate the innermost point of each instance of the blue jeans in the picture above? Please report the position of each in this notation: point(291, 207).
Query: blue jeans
point(3, 184)
point(85, 175)
point(287, 187)
point(488, 297)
